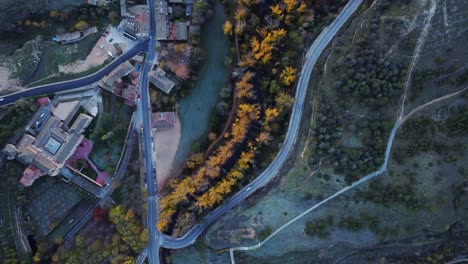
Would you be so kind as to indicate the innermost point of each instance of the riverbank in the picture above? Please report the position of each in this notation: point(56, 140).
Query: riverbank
point(196, 108)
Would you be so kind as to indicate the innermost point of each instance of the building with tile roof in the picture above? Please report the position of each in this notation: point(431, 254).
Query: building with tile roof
point(52, 147)
point(109, 81)
point(75, 36)
point(161, 81)
point(163, 121)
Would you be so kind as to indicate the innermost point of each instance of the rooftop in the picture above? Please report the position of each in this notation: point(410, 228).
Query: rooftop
point(122, 70)
point(160, 80)
point(75, 36)
point(53, 145)
point(163, 120)
point(178, 31)
point(65, 110)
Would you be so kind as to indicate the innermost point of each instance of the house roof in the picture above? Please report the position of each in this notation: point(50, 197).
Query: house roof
point(59, 134)
point(65, 110)
point(44, 135)
point(161, 20)
point(25, 141)
point(163, 120)
point(178, 31)
point(28, 154)
point(45, 164)
point(43, 100)
point(119, 72)
point(10, 150)
point(160, 80)
point(30, 174)
point(81, 123)
point(69, 148)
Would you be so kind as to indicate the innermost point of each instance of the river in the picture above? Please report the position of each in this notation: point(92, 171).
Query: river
point(195, 108)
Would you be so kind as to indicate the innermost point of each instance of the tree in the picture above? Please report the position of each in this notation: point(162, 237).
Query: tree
point(194, 160)
point(264, 138)
point(243, 88)
point(54, 14)
point(227, 28)
point(277, 11)
point(288, 75)
point(182, 71)
point(290, 5)
point(81, 25)
point(271, 114)
point(284, 101)
point(200, 5)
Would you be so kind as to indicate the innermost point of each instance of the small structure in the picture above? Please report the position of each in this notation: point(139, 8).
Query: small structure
point(71, 37)
point(160, 80)
point(163, 121)
point(137, 24)
point(66, 110)
point(129, 94)
point(162, 19)
point(43, 101)
point(30, 174)
point(178, 31)
point(115, 76)
point(138, 58)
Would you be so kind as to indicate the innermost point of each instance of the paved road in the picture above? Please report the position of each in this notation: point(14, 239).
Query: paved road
point(150, 168)
point(75, 83)
point(311, 58)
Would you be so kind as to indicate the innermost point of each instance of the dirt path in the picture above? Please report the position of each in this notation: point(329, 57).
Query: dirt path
point(368, 177)
point(417, 50)
point(229, 122)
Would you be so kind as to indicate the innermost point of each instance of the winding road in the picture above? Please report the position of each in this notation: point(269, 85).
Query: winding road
point(269, 173)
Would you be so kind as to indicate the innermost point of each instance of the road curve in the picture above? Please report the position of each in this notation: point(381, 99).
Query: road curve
point(269, 173)
point(75, 83)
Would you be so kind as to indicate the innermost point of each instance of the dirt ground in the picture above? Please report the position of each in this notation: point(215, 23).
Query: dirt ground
point(98, 55)
point(166, 144)
point(7, 84)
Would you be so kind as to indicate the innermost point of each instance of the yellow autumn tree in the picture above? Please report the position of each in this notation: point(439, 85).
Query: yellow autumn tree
point(290, 5)
point(302, 7)
point(288, 75)
point(81, 25)
point(277, 11)
point(244, 89)
point(240, 13)
point(271, 114)
point(227, 28)
point(263, 49)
